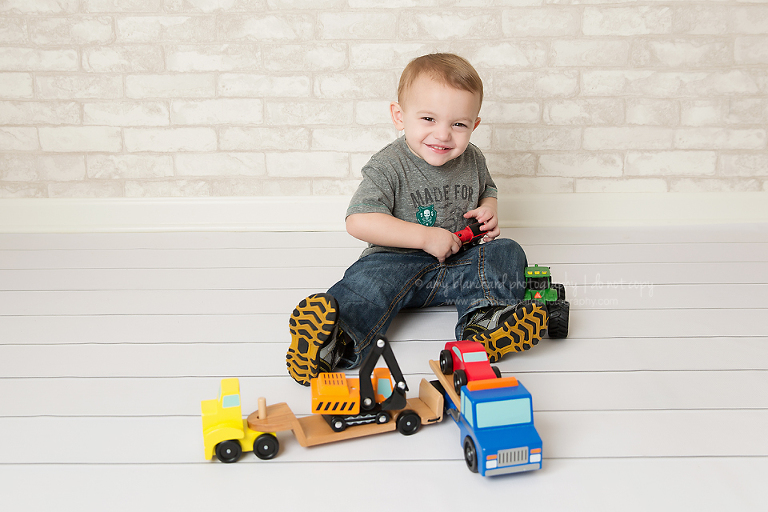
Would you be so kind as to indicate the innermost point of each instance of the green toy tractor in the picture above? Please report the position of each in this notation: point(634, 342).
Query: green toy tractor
point(539, 287)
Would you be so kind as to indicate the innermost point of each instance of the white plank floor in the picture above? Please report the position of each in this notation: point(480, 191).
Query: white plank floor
point(108, 342)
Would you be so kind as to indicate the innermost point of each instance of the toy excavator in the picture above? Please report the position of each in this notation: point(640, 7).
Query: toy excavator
point(344, 401)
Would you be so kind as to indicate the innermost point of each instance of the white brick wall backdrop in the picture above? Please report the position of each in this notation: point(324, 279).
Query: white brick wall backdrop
point(170, 98)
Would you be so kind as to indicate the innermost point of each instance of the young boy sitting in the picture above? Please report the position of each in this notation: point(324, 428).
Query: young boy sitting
point(415, 193)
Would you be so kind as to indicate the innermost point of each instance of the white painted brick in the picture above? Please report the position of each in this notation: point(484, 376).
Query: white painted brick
point(18, 139)
point(503, 112)
point(386, 55)
point(33, 112)
point(290, 187)
point(536, 84)
point(622, 137)
point(720, 138)
point(613, 185)
point(250, 85)
point(79, 139)
point(356, 85)
point(13, 30)
point(681, 53)
point(392, 4)
point(234, 187)
point(221, 164)
point(748, 111)
point(65, 87)
point(535, 138)
point(653, 112)
point(123, 59)
point(534, 185)
point(358, 161)
point(573, 52)
point(751, 50)
point(416, 25)
point(23, 190)
point(305, 57)
point(167, 29)
point(266, 27)
point(556, 21)
point(40, 6)
point(264, 139)
point(33, 59)
point(218, 111)
point(751, 19)
point(743, 164)
point(126, 113)
point(114, 167)
point(667, 84)
point(216, 6)
point(578, 165)
point(71, 31)
point(187, 85)
point(701, 19)
point(168, 188)
point(351, 139)
point(308, 164)
point(224, 57)
point(61, 168)
point(18, 167)
point(122, 5)
point(670, 163)
point(510, 163)
point(168, 140)
point(309, 112)
point(714, 185)
point(372, 112)
point(322, 187)
point(85, 189)
point(357, 25)
point(506, 55)
point(702, 112)
point(16, 85)
point(627, 21)
point(584, 112)
point(482, 137)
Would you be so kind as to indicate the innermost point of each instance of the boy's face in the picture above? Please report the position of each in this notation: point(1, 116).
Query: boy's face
point(437, 119)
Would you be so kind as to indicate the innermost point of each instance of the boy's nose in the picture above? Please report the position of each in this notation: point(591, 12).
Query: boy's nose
point(442, 133)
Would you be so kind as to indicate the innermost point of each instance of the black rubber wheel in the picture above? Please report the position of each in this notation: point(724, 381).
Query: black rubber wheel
point(559, 312)
point(228, 451)
point(383, 417)
point(470, 454)
point(459, 379)
point(446, 362)
point(266, 446)
point(408, 423)
point(496, 371)
point(338, 424)
point(560, 290)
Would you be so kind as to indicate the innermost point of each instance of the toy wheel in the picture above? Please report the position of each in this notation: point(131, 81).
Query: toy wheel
point(338, 424)
point(496, 371)
point(408, 423)
point(383, 417)
point(470, 454)
point(228, 451)
point(560, 290)
point(559, 311)
point(266, 446)
point(446, 362)
point(459, 379)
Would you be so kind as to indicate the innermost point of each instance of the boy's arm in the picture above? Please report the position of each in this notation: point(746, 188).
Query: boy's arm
point(383, 229)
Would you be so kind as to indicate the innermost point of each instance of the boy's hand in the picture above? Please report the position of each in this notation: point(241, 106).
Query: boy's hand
point(487, 216)
point(441, 243)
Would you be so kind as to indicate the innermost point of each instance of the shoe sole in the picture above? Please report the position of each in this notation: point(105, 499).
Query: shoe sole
point(524, 330)
point(311, 326)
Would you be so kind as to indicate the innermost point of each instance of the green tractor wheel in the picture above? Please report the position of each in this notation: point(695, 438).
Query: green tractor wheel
point(558, 319)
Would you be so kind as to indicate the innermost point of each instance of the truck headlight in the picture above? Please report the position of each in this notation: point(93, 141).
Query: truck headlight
point(535, 457)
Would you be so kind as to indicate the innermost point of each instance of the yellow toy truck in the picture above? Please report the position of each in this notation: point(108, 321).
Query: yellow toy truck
point(227, 434)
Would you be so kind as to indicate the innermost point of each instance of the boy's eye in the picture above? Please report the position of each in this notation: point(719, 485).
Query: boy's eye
point(428, 119)
point(460, 125)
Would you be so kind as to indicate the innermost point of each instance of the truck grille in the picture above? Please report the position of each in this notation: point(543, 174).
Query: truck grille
point(513, 457)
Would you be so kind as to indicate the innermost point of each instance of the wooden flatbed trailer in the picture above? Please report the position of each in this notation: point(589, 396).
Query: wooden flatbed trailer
point(314, 430)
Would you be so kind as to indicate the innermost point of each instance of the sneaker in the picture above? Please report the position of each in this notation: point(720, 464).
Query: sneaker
point(507, 328)
point(317, 343)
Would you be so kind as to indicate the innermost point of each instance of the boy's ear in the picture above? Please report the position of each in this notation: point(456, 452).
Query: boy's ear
point(397, 115)
point(477, 123)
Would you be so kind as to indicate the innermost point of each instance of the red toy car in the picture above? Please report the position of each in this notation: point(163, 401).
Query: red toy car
point(468, 361)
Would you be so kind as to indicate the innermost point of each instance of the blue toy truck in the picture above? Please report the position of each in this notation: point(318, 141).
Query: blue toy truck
point(495, 420)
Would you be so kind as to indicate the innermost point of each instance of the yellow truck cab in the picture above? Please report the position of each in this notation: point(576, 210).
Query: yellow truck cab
point(226, 433)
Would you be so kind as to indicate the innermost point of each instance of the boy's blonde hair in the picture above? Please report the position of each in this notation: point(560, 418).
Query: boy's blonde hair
point(446, 68)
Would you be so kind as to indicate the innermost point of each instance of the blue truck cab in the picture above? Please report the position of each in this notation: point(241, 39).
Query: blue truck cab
point(496, 427)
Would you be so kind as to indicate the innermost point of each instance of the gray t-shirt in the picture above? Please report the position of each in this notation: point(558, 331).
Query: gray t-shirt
point(399, 183)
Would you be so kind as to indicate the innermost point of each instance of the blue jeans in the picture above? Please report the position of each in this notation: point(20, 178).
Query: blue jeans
point(379, 285)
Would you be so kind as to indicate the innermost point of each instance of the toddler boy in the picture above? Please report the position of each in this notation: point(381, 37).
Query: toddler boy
point(415, 193)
